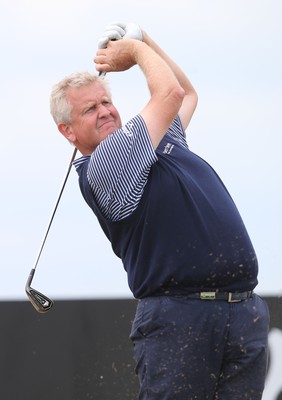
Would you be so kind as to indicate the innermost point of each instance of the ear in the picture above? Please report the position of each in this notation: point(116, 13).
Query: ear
point(67, 132)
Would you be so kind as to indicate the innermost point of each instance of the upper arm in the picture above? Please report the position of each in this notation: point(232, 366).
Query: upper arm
point(159, 113)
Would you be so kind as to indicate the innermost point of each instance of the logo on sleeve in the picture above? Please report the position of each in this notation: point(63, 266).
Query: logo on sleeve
point(168, 148)
point(128, 128)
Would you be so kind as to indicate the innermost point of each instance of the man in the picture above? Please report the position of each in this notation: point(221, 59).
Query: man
point(199, 331)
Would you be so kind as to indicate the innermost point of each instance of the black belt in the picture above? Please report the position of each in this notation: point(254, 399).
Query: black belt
point(227, 296)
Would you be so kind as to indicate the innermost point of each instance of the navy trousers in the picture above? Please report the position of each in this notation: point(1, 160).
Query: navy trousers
point(188, 349)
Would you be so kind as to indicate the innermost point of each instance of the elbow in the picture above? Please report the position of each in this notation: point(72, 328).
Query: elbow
point(177, 95)
point(181, 93)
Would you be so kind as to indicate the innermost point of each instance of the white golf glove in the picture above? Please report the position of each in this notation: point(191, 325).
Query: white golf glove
point(118, 30)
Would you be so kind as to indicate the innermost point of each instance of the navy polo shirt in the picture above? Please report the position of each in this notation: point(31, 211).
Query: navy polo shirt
point(172, 221)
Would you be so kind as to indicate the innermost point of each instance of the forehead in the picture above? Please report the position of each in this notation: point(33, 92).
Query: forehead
point(86, 94)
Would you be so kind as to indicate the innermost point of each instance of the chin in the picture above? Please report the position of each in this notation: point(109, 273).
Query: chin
point(110, 130)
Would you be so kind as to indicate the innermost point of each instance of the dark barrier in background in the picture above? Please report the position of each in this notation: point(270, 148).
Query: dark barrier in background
point(79, 350)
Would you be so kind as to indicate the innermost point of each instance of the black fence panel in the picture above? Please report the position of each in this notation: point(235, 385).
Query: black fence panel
point(79, 350)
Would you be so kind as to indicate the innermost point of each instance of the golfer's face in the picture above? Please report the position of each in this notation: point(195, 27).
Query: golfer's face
point(93, 116)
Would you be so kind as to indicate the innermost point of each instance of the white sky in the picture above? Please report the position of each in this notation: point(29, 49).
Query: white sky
point(231, 50)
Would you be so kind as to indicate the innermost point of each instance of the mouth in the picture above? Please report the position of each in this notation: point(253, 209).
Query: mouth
point(111, 121)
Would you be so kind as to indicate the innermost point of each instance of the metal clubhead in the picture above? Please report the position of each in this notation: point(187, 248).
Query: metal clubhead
point(40, 302)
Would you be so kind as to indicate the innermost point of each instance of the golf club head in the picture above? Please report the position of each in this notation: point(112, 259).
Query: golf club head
point(39, 301)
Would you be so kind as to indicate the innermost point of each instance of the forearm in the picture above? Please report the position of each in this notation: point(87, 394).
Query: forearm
point(159, 74)
point(180, 75)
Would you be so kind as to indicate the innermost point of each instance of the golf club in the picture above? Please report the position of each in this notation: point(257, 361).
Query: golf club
point(39, 301)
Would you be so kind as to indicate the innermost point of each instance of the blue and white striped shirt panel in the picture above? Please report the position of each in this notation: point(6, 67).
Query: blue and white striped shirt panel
point(119, 167)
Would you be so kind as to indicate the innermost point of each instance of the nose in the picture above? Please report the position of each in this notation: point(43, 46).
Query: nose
point(103, 111)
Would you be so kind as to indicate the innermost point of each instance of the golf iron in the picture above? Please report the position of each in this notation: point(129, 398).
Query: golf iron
point(39, 301)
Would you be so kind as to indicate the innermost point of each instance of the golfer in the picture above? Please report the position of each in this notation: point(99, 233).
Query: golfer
point(200, 332)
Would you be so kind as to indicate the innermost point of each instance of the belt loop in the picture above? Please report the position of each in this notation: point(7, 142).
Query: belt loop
point(230, 300)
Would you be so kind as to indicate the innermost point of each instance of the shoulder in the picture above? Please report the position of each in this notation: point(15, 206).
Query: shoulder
point(81, 164)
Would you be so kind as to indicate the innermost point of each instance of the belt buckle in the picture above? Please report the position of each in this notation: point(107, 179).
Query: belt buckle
point(207, 295)
point(230, 300)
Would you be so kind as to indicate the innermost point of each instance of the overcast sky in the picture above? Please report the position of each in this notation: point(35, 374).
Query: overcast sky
point(231, 51)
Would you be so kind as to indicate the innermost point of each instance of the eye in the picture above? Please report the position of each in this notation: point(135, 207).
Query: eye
point(92, 108)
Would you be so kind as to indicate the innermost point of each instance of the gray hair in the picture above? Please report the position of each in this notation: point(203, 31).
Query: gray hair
point(60, 107)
